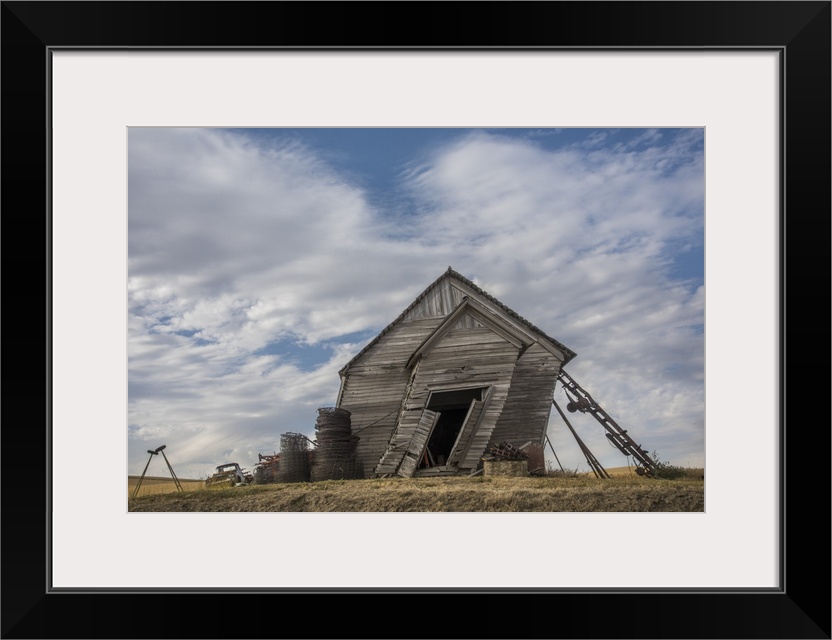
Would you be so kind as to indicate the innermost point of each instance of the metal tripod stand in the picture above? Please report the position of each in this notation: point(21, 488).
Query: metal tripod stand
point(170, 468)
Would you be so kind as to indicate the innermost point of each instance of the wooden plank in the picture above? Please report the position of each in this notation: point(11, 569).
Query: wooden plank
point(469, 427)
point(417, 443)
point(479, 440)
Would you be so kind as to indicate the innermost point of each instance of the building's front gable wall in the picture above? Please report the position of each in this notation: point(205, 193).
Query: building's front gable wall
point(464, 358)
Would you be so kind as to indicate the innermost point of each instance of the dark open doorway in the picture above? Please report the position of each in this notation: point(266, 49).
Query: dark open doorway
point(453, 407)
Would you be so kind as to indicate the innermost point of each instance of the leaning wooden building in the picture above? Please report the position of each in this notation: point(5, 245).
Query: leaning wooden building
point(456, 373)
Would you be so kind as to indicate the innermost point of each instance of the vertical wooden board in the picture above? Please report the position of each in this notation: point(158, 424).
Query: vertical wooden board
point(474, 419)
point(417, 443)
point(480, 437)
point(474, 413)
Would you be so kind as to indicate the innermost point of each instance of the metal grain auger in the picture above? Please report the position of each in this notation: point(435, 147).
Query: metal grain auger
point(580, 400)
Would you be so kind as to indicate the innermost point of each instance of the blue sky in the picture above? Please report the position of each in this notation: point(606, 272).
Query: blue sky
point(261, 260)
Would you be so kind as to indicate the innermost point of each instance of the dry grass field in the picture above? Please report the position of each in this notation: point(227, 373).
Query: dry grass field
point(617, 472)
point(155, 485)
point(451, 494)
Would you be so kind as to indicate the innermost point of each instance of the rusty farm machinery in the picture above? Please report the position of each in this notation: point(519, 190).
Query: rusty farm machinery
point(581, 401)
point(267, 468)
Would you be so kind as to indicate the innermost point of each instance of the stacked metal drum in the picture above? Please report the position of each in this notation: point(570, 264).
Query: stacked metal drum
point(335, 454)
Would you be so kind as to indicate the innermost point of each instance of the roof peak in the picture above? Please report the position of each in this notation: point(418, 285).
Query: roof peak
point(479, 292)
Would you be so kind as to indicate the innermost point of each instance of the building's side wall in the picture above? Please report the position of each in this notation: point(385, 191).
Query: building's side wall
point(374, 387)
point(525, 414)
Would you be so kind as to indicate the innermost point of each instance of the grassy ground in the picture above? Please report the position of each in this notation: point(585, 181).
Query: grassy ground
point(453, 494)
point(688, 472)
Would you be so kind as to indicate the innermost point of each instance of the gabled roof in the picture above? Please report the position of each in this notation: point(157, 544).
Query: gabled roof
point(450, 273)
point(508, 331)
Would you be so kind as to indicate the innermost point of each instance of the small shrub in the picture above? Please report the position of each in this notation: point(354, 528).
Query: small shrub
point(551, 472)
point(667, 471)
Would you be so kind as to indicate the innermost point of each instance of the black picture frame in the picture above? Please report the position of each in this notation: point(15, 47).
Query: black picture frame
point(800, 608)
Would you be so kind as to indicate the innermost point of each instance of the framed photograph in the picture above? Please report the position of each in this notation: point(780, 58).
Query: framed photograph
point(81, 79)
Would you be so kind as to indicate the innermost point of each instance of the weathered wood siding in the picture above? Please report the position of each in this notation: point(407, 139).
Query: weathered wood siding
point(525, 414)
point(437, 303)
point(375, 385)
point(467, 357)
